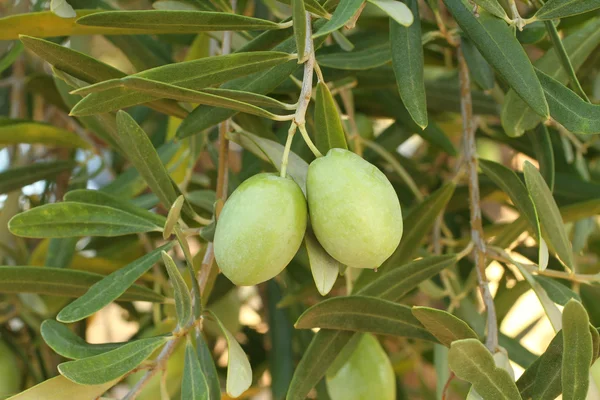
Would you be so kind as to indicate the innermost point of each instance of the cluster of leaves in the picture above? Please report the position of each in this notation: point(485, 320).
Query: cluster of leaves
point(196, 74)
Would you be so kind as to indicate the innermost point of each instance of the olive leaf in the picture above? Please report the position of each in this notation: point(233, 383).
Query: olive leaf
point(110, 288)
point(32, 132)
point(59, 388)
point(70, 219)
point(313, 7)
point(554, 9)
point(479, 68)
point(408, 61)
point(17, 177)
point(9, 58)
point(345, 10)
point(542, 379)
point(193, 385)
point(209, 370)
point(544, 153)
point(112, 364)
point(329, 133)
point(493, 7)
point(299, 18)
point(576, 363)
point(364, 314)
point(62, 282)
point(444, 326)
point(324, 268)
point(498, 45)
point(471, 361)
point(62, 9)
point(372, 56)
point(239, 371)
point(398, 11)
point(183, 298)
point(65, 342)
point(556, 291)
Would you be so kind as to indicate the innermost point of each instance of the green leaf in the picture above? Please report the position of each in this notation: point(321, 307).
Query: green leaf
point(510, 183)
point(68, 219)
point(86, 68)
point(67, 344)
point(542, 379)
point(239, 371)
point(272, 151)
point(544, 153)
point(479, 68)
point(209, 369)
point(320, 354)
point(576, 362)
point(17, 177)
point(62, 282)
point(516, 116)
point(169, 21)
point(493, 7)
point(370, 57)
point(558, 293)
point(112, 364)
point(408, 64)
point(397, 11)
point(9, 58)
point(554, 9)
point(548, 213)
point(62, 9)
point(364, 314)
point(324, 268)
point(140, 151)
point(22, 131)
point(102, 198)
point(299, 17)
point(444, 326)
point(110, 288)
point(173, 217)
point(195, 74)
point(566, 107)
point(398, 281)
point(472, 362)
point(329, 131)
point(60, 388)
point(313, 7)
point(249, 97)
point(345, 10)
point(183, 298)
point(498, 45)
point(193, 384)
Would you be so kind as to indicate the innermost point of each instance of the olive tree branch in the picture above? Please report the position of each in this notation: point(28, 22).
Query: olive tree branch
point(477, 236)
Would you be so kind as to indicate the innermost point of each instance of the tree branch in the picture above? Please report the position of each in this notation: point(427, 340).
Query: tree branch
point(477, 236)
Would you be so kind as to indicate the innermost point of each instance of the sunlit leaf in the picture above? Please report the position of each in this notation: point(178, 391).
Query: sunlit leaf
point(444, 326)
point(31, 132)
point(324, 268)
point(62, 9)
point(60, 388)
point(397, 11)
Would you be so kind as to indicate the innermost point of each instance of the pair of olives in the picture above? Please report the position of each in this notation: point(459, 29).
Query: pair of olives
point(354, 212)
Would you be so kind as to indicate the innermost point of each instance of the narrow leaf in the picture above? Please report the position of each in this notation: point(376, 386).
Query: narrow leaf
point(498, 45)
point(329, 131)
point(549, 215)
point(558, 293)
point(544, 153)
point(577, 360)
point(193, 384)
point(68, 219)
point(472, 362)
point(239, 371)
point(209, 369)
point(9, 58)
point(554, 9)
point(183, 299)
point(364, 314)
point(62, 282)
point(408, 64)
point(112, 364)
point(173, 217)
point(313, 7)
point(479, 68)
point(358, 59)
point(542, 379)
point(299, 17)
point(110, 288)
point(66, 343)
point(169, 21)
point(444, 326)
point(60, 388)
point(22, 131)
point(397, 11)
point(493, 7)
point(17, 177)
point(324, 268)
point(345, 10)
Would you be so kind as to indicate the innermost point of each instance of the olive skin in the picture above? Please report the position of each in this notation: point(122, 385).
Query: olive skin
point(354, 210)
point(260, 229)
point(367, 375)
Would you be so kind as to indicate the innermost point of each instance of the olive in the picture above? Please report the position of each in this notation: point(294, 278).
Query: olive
point(366, 375)
point(354, 210)
point(260, 229)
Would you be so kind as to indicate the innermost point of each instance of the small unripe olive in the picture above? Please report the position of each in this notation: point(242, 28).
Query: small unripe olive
point(354, 210)
point(260, 229)
point(367, 375)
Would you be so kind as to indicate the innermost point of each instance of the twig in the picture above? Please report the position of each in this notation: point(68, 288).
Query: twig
point(447, 386)
point(477, 236)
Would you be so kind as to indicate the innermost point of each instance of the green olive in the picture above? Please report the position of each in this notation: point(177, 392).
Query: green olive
point(260, 229)
point(354, 210)
point(367, 375)
point(10, 376)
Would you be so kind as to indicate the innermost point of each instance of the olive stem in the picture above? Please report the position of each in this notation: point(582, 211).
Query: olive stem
point(286, 150)
point(477, 236)
point(308, 141)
